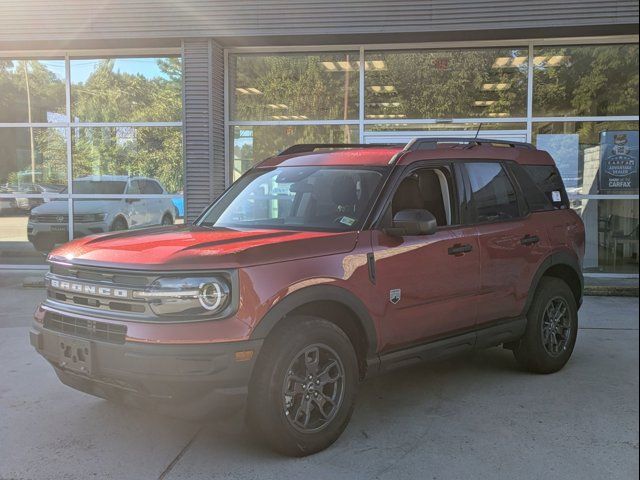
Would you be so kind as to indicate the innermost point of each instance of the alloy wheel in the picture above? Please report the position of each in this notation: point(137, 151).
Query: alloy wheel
point(556, 326)
point(313, 388)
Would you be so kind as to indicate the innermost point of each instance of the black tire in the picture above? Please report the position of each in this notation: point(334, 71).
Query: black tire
point(275, 416)
point(166, 220)
point(547, 344)
point(119, 224)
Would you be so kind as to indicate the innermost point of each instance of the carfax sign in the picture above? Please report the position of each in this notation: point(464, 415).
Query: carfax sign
point(619, 161)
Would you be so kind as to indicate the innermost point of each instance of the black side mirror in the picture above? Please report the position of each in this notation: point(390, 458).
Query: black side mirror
point(413, 222)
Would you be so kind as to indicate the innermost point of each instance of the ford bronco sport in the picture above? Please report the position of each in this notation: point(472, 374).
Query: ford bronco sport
point(319, 267)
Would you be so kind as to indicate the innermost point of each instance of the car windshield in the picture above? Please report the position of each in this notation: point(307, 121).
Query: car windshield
point(98, 187)
point(304, 198)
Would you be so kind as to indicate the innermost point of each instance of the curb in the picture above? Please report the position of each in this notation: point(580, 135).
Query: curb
point(610, 291)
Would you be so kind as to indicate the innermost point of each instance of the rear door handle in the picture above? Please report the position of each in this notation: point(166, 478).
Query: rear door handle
point(459, 249)
point(530, 239)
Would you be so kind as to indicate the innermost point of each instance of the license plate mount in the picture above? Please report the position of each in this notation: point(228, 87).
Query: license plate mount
point(58, 228)
point(75, 354)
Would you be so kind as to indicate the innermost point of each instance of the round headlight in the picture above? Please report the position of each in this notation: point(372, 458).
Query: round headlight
point(213, 295)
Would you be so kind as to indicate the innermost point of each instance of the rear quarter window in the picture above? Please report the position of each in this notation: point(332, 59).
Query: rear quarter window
point(548, 182)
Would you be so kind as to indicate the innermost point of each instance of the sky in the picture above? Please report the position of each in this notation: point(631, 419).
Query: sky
point(82, 68)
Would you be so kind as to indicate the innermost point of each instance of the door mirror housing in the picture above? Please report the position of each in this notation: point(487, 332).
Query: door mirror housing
point(413, 222)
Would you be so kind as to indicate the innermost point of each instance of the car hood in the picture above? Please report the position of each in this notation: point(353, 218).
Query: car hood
point(199, 248)
point(59, 207)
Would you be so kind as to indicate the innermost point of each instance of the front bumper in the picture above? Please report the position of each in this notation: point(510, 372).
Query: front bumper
point(185, 380)
point(59, 232)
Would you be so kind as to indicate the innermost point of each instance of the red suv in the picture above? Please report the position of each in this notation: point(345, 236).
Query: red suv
point(320, 267)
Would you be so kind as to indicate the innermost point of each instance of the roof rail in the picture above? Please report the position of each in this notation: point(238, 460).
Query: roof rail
point(310, 147)
point(427, 143)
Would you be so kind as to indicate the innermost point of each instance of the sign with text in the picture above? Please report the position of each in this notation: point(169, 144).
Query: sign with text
point(619, 161)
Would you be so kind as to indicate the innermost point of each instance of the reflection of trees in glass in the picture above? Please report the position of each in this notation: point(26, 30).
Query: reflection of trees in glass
point(51, 153)
point(44, 82)
point(154, 152)
point(294, 87)
point(105, 96)
point(587, 80)
point(448, 83)
point(113, 96)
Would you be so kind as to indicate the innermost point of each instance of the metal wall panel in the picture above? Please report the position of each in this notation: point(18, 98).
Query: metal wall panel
point(197, 124)
point(77, 20)
point(217, 123)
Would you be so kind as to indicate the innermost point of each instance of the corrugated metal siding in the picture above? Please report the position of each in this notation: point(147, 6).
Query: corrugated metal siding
point(217, 124)
point(197, 126)
point(25, 20)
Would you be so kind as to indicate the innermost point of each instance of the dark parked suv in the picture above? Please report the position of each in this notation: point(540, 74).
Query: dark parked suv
point(318, 268)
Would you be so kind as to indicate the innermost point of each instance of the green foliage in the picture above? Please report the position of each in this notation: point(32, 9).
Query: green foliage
point(107, 95)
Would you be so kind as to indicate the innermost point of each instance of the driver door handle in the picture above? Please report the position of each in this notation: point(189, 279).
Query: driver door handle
point(530, 239)
point(459, 249)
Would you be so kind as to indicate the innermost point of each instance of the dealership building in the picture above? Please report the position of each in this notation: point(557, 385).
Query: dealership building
point(116, 106)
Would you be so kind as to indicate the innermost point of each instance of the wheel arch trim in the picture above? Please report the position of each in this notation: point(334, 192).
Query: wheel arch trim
point(560, 258)
point(319, 293)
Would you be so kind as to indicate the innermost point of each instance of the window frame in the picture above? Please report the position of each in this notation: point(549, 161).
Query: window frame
point(523, 208)
point(455, 192)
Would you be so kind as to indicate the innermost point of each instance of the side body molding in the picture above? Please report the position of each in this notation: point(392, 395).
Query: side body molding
point(319, 293)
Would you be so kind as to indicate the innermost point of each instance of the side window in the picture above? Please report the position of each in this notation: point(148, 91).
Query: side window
point(493, 194)
point(151, 187)
point(536, 199)
point(134, 187)
point(426, 189)
point(549, 181)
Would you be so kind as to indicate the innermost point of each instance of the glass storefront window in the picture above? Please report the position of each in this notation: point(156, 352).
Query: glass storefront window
point(34, 205)
point(254, 143)
point(32, 91)
point(461, 83)
point(33, 159)
point(294, 86)
point(150, 152)
point(611, 228)
point(593, 157)
point(146, 89)
point(588, 80)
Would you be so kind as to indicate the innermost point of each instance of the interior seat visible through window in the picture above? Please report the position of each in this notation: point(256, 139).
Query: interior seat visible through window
point(425, 189)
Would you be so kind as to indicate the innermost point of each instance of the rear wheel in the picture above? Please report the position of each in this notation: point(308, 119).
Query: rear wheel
point(303, 391)
point(552, 326)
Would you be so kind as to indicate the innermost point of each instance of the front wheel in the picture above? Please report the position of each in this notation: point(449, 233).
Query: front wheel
point(118, 225)
point(303, 391)
point(166, 220)
point(552, 326)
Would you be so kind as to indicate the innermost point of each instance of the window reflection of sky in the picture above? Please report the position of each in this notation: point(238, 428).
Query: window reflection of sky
point(81, 69)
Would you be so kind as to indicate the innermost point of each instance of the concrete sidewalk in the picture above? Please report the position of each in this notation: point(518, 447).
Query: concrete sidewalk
point(472, 417)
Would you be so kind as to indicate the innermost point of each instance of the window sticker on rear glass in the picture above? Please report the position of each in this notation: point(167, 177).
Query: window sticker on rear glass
point(556, 196)
point(347, 221)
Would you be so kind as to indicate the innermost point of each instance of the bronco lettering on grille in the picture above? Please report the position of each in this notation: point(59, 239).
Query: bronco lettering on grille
point(89, 289)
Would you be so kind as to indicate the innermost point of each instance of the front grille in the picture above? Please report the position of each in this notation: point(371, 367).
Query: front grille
point(63, 218)
point(99, 277)
point(124, 279)
point(79, 327)
point(50, 218)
